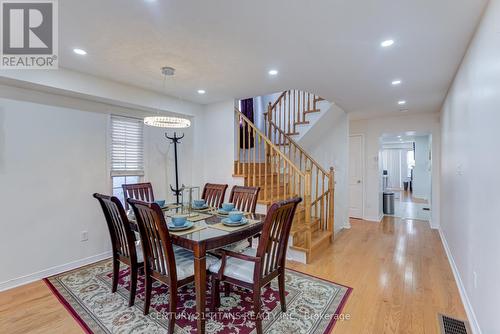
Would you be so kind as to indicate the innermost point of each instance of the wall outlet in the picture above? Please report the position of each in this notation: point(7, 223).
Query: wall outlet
point(84, 236)
point(474, 279)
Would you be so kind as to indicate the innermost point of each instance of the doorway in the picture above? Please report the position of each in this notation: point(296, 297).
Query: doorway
point(356, 176)
point(406, 163)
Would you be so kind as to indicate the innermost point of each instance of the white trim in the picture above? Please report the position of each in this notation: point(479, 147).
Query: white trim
point(474, 324)
point(374, 219)
point(12, 283)
point(363, 166)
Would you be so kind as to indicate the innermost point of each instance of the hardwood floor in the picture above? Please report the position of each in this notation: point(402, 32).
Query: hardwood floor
point(33, 308)
point(400, 275)
point(398, 269)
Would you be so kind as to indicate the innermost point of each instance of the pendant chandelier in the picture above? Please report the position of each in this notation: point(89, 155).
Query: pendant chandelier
point(167, 121)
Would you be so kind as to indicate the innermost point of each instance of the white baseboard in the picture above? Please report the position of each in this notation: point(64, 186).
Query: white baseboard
point(295, 255)
point(474, 324)
point(12, 283)
point(374, 219)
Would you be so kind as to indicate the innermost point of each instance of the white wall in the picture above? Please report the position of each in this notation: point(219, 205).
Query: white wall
point(470, 160)
point(422, 170)
point(373, 129)
point(328, 143)
point(215, 146)
point(52, 160)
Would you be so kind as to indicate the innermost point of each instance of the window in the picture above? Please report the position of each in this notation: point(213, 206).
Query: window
point(127, 152)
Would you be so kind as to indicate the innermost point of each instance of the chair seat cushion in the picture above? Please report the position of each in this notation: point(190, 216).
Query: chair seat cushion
point(138, 251)
point(184, 261)
point(237, 268)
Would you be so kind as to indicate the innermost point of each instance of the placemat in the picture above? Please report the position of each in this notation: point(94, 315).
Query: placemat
point(200, 216)
point(202, 210)
point(191, 230)
point(215, 212)
point(221, 226)
point(170, 207)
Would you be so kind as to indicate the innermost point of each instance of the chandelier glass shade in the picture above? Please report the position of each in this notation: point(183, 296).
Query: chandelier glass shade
point(167, 122)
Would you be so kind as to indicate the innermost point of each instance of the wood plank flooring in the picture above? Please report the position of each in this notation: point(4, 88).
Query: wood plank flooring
point(398, 269)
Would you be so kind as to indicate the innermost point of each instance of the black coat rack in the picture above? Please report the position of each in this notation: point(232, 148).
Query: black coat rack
point(176, 140)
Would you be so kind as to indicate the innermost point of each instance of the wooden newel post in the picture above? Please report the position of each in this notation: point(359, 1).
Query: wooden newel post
point(331, 206)
point(307, 206)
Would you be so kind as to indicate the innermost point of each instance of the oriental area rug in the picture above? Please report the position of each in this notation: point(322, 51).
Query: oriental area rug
point(313, 304)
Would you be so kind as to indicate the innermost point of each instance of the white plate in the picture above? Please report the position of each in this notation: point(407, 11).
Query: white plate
point(186, 226)
point(229, 222)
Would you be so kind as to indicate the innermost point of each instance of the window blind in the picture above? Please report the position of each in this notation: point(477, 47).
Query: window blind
point(127, 146)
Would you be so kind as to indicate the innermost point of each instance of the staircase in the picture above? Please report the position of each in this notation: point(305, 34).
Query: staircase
point(273, 161)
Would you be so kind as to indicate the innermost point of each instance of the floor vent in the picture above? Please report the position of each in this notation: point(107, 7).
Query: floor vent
point(453, 326)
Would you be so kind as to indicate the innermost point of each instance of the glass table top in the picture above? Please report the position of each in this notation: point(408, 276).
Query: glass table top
point(208, 232)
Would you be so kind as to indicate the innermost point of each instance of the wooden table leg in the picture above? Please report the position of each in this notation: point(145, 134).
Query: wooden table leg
point(200, 276)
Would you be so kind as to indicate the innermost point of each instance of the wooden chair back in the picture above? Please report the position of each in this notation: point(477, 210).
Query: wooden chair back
point(156, 243)
point(273, 242)
point(120, 231)
point(244, 198)
point(213, 194)
point(140, 191)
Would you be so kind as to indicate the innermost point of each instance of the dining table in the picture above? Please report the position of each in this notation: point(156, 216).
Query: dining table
point(208, 235)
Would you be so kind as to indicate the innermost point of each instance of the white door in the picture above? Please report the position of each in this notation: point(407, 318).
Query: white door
point(356, 172)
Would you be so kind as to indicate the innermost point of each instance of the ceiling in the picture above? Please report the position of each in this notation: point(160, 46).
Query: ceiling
point(226, 47)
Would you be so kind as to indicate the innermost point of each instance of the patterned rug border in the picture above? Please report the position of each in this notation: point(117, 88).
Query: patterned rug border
point(87, 330)
point(66, 305)
point(342, 304)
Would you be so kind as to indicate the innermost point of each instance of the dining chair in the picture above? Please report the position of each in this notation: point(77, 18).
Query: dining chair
point(163, 262)
point(213, 194)
point(255, 268)
point(124, 246)
point(244, 198)
point(140, 191)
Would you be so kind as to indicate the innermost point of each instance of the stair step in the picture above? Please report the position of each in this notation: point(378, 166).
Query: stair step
point(302, 123)
point(311, 111)
point(292, 133)
point(319, 241)
point(318, 99)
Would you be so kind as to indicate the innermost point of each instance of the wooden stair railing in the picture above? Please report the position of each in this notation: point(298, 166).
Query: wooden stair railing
point(264, 165)
point(282, 118)
point(283, 169)
point(291, 108)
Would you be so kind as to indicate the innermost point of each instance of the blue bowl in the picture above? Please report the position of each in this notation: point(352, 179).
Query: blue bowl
point(160, 202)
point(179, 220)
point(235, 216)
point(227, 207)
point(198, 203)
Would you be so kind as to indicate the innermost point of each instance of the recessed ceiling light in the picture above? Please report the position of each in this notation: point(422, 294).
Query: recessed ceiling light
point(387, 43)
point(80, 52)
point(402, 102)
point(201, 91)
point(273, 72)
point(396, 82)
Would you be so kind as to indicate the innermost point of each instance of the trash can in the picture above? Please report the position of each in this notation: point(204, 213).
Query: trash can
point(388, 203)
